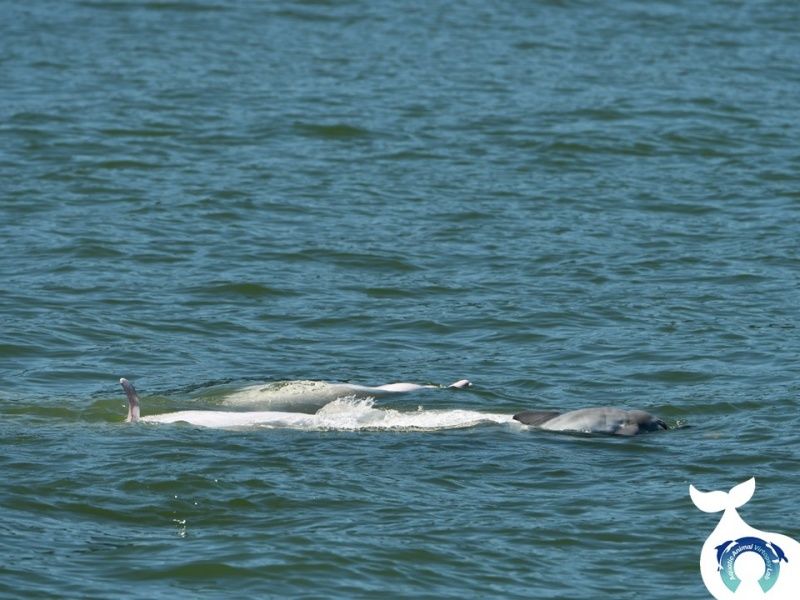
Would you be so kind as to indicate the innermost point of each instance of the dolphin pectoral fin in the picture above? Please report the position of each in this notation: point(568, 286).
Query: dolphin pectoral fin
point(535, 418)
point(461, 384)
point(133, 400)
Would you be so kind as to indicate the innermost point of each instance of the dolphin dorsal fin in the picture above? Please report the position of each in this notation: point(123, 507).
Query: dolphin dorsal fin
point(716, 501)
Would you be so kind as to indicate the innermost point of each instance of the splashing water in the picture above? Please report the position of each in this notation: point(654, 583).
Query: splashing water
point(354, 414)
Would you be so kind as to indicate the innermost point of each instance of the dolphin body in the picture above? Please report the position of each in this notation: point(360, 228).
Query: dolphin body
point(218, 418)
point(310, 396)
point(603, 419)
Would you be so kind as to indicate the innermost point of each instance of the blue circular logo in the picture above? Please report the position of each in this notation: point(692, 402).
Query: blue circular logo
point(770, 553)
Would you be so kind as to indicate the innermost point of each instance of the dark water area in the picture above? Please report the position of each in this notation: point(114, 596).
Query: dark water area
point(569, 203)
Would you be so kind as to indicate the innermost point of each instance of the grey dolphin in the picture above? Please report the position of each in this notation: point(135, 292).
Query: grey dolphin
point(604, 419)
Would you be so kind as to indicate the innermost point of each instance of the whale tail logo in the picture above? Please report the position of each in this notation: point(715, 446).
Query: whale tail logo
point(772, 567)
point(712, 502)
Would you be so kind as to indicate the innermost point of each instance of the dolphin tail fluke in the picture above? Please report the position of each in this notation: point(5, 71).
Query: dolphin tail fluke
point(461, 384)
point(133, 400)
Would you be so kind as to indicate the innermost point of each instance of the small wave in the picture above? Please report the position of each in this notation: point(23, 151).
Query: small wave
point(336, 131)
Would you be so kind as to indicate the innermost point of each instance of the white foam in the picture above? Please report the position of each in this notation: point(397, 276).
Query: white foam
point(353, 414)
point(346, 414)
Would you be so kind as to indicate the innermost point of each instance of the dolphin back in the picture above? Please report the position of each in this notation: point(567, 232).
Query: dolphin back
point(535, 418)
point(602, 419)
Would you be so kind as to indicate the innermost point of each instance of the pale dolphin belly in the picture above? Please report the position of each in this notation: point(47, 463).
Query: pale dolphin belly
point(226, 419)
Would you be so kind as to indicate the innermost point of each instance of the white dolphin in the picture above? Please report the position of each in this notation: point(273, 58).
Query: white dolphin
point(310, 396)
point(223, 419)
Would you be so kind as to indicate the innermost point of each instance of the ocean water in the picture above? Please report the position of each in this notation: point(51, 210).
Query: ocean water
point(569, 203)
